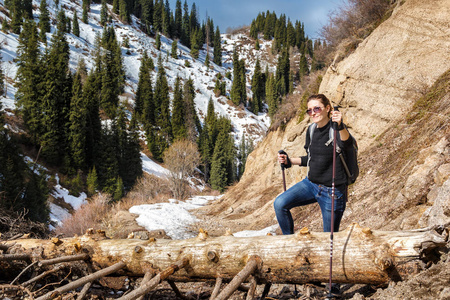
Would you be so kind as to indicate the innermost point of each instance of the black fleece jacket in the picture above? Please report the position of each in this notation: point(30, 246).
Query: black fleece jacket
point(321, 157)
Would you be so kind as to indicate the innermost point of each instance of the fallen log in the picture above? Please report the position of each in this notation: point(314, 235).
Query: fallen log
point(360, 255)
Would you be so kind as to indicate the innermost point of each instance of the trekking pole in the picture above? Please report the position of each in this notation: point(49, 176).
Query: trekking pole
point(332, 204)
point(283, 166)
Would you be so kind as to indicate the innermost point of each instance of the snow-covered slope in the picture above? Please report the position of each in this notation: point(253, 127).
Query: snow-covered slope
point(243, 121)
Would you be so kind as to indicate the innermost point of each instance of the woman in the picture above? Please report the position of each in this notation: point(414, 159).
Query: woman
point(316, 187)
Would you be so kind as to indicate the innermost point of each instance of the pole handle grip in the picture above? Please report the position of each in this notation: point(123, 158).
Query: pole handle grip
point(283, 166)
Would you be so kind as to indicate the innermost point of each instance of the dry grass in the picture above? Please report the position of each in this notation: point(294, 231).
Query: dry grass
point(89, 215)
point(351, 23)
point(148, 189)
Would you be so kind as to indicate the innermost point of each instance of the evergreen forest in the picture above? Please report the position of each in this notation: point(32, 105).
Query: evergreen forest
point(77, 125)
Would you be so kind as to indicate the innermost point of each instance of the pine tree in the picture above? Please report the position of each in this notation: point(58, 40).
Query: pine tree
point(157, 15)
point(257, 46)
point(5, 25)
point(108, 165)
point(27, 9)
point(178, 112)
point(207, 59)
point(194, 24)
point(113, 75)
point(103, 13)
point(219, 175)
point(21, 188)
point(254, 30)
point(128, 150)
point(290, 34)
point(161, 135)
point(207, 138)
point(148, 101)
point(86, 8)
point(92, 182)
point(44, 21)
point(147, 14)
point(77, 127)
point(217, 48)
point(158, 41)
point(131, 164)
point(91, 95)
point(186, 35)
point(178, 21)
point(271, 95)
point(29, 79)
point(76, 27)
point(174, 50)
point(193, 124)
point(143, 105)
point(238, 88)
point(211, 122)
point(16, 16)
point(166, 19)
point(61, 22)
point(124, 12)
point(56, 100)
point(257, 88)
point(35, 196)
point(118, 190)
point(196, 42)
point(222, 165)
point(282, 73)
point(116, 6)
point(204, 146)
point(235, 87)
point(219, 87)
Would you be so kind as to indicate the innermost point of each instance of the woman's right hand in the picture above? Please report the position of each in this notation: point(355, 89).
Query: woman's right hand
point(282, 158)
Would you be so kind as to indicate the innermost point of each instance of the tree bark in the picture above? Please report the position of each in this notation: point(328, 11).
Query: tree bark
point(360, 255)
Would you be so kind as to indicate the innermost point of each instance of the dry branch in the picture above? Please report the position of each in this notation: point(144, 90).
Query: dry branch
point(12, 257)
point(82, 281)
point(249, 268)
point(145, 288)
point(84, 291)
point(4, 287)
point(216, 290)
point(147, 277)
point(61, 259)
point(252, 290)
point(42, 275)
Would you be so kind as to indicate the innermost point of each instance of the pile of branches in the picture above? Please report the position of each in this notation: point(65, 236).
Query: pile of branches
point(15, 224)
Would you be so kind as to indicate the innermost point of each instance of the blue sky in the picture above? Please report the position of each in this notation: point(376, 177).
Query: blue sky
point(235, 13)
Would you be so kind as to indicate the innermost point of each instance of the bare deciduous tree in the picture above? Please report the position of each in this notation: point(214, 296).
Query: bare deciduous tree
point(351, 19)
point(181, 159)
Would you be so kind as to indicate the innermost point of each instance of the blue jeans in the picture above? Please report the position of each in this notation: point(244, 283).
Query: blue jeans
point(306, 192)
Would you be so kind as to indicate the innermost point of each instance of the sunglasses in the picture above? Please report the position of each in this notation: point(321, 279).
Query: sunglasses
point(316, 110)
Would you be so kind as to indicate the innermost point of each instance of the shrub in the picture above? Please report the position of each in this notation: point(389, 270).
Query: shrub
point(355, 19)
point(89, 215)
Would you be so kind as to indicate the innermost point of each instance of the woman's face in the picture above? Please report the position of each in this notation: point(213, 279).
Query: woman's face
point(318, 112)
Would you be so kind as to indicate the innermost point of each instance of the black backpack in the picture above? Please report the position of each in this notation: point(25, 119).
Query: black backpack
point(349, 157)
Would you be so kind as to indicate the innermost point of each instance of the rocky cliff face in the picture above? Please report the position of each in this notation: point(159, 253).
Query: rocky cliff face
point(404, 163)
point(392, 68)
